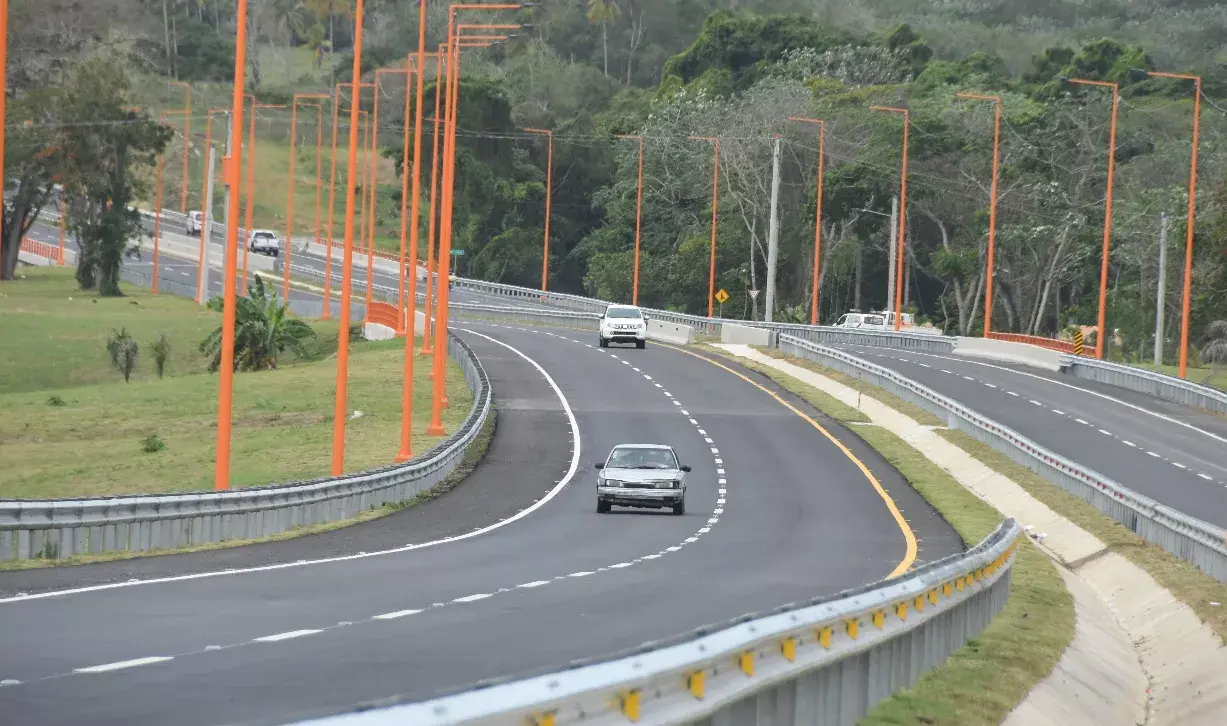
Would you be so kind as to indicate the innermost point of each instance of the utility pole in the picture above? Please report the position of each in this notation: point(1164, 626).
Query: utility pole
point(226, 261)
point(894, 247)
point(202, 295)
point(1162, 292)
point(773, 232)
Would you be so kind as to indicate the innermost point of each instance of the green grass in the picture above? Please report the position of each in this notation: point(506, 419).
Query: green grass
point(1203, 376)
point(89, 441)
point(983, 681)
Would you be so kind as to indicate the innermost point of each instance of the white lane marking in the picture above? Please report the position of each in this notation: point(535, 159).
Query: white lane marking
point(1089, 392)
point(1037, 403)
point(925, 365)
point(10, 682)
point(1129, 443)
point(1203, 476)
point(473, 598)
point(1012, 393)
point(987, 384)
point(645, 375)
point(1084, 423)
point(1153, 454)
point(677, 403)
point(969, 378)
point(702, 432)
point(944, 371)
point(620, 565)
point(696, 423)
point(687, 413)
point(659, 386)
point(395, 615)
point(1178, 465)
point(1059, 413)
point(1105, 433)
point(670, 395)
point(284, 636)
point(650, 557)
point(579, 574)
point(566, 479)
point(632, 368)
point(691, 539)
point(708, 439)
point(120, 665)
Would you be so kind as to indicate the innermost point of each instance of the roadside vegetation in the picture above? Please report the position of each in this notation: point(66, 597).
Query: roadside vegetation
point(72, 426)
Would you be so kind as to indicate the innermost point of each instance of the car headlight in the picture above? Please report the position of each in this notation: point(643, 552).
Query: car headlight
point(609, 483)
point(667, 484)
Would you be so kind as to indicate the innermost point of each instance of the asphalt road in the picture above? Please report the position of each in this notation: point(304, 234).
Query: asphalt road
point(776, 513)
point(1175, 454)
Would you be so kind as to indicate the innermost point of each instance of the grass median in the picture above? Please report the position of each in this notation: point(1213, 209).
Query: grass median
point(72, 426)
point(983, 681)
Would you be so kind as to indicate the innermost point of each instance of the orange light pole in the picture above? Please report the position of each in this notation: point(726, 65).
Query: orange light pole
point(1188, 243)
point(715, 200)
point(440, 330)
point(206, 214)
point(822, 127)
point(187, 134)
point(638, 217)
point(907, 123)
point(992, 208)
point(338, 414)
point(289, 202)
point(251, 175)
point(1102, 333)
point(408, 71)
point(549, 192)
point(230, 175)
point(332, 191)
point(434, 173)
point(368, 219)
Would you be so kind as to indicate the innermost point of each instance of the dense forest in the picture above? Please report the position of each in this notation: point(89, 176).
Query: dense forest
point(673, 69)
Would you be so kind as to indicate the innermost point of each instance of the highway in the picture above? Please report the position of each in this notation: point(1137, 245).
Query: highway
point(1174, 454)
point(512, 572)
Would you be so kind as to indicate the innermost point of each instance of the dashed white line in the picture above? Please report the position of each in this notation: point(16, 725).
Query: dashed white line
point(475, 598)
point(1178, 465)
point(1012, 393)
point(990, 385)
point(1129, 443)
point(284, 636)
point(1203, 476)
point(1084, 423)
point(1059, 413)
point(1105, 432)
point(1153, 454)
point(397, 614)
point(579, 574)
point(1037, 403)
point(120, 665)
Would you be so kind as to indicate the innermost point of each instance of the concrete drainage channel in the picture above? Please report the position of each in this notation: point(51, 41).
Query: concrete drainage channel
point(62, 528)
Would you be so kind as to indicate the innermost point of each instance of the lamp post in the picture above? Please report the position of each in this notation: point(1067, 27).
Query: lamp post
point(638, 216)
point(715, 200)
point(1188, 243)
point(207, 214)
point(230, 176)
point(1102, 333)
point(187, 134)
point(907, 122)
point(992, 208)
point(817, 272)
point(434, 216)
point(338, 413)
point(549, 193)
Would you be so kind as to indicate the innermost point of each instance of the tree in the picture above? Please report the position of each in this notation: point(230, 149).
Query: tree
point(604, 12)
point(1214, 347)
point(161, 353)
point(263, 330)
point(123, 351)
point(97, 160)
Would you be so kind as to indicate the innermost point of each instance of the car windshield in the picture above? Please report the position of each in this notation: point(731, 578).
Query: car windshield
point(622, 313)
point(633, 458)
point(874, 320)
point(265, 235)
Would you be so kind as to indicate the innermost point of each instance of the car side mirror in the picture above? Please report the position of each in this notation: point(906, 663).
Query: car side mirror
point(686, 468)
point(600, 465)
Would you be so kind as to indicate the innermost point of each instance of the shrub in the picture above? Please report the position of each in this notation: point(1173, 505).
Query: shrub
point(161, 353)
point(152, 444)
point(55, 401)
point(124, 352)
point(263, 330)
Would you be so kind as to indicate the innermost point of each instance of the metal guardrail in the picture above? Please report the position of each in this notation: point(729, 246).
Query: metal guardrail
point(1153, 383)
point(1201, 543)
point(59, 528)
point(828, 661)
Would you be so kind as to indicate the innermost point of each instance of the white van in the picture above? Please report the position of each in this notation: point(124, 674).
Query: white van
point(875, 321)
point(195, 222)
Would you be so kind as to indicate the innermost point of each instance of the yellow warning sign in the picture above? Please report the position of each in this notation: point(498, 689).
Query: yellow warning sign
point(1078, 342)
point(721, 296)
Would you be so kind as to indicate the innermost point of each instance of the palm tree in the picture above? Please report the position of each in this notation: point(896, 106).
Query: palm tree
point(604, 12)
point(1214, 347)
point(263, 330)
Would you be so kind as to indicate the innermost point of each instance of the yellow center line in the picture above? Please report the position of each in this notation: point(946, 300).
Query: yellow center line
point(909, 537)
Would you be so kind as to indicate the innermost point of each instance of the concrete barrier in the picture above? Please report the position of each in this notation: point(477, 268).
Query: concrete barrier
point(1006, 352)
point(670, 332)
point(744, 335)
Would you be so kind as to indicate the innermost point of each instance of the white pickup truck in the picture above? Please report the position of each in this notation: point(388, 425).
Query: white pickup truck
point(264, 242)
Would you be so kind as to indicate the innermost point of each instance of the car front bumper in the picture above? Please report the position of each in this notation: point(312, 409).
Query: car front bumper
point(617, 335)
point(640, 496)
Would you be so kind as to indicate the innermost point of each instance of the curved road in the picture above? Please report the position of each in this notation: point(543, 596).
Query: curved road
point(1174, 454)
point(777, 512)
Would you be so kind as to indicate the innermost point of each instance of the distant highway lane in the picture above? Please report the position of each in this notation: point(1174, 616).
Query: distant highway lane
point(777, 512)
point(1174, 454)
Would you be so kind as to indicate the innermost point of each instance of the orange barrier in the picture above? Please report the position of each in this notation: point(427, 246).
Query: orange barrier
point(42, 249)
point(1064, 346)
point(386, 315)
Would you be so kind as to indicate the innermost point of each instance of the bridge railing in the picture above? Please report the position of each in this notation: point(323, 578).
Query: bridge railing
point(1152, 383)
point(1201, 543)
point(829, 660)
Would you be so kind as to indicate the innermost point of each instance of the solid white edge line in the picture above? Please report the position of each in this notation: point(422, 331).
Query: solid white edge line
point(575, 456)
point(120, 665)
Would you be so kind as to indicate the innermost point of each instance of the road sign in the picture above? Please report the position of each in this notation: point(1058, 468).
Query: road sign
point(754, 294)
point(722, 296)
point(1078, 342)
point(457, 252)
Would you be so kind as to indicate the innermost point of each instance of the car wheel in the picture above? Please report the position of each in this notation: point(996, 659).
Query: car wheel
point(602, 506)
point(680, 508)
point(641, 344)
point(604, 343)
